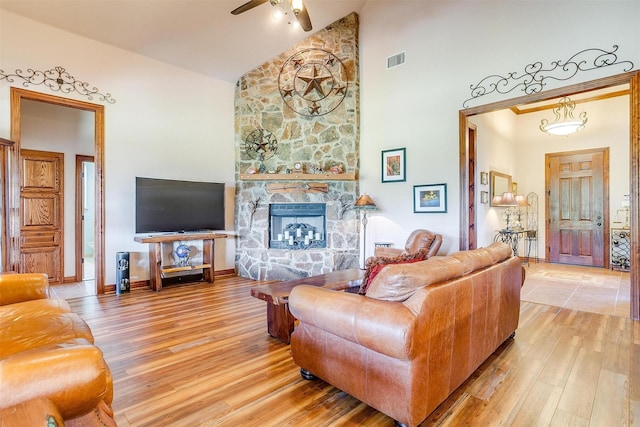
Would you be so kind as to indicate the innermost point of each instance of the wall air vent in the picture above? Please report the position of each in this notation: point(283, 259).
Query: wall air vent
point(395, 60)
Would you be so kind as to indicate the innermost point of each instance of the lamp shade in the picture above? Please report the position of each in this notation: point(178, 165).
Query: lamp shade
point(521, 200)
point(508, 199)
point(365, 202)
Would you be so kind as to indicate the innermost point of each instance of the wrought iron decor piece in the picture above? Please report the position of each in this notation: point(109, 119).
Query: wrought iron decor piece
point(313, 82)
point(535, 75)
point(261, 144)
point(58, 80)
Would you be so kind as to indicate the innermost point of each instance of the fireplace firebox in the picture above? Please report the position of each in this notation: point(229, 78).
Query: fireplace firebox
point(297, 226)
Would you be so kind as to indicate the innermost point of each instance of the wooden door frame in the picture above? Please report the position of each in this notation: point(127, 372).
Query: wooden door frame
point(468, 223)
point(4, 144)
point(79, 199)
point(12, 177)
point(633, 79)
point(606, 218)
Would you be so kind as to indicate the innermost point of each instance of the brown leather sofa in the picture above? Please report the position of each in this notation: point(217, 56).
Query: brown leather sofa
point(419, 332)
point(419, 239)
point(50, 370)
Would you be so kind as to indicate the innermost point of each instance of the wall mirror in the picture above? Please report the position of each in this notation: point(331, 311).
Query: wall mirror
point(500, 183)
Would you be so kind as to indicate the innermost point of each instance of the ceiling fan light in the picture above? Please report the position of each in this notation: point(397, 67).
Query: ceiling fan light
point(296, 6)
point(278, 12)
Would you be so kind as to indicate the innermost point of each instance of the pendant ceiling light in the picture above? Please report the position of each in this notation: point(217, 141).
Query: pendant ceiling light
point(565, 123)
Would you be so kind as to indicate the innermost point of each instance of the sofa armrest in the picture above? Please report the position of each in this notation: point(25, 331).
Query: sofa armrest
point(73, 375)
point(382, 326)
point(36, 412)
point(23, 287)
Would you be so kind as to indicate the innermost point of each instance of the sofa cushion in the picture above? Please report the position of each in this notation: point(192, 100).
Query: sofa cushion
point(33, 308)
point(376, 264)
point(398, 282)
point(499, 251)
point(30, 332)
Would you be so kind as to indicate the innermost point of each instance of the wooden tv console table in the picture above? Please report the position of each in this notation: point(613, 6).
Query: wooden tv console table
point(156, 269)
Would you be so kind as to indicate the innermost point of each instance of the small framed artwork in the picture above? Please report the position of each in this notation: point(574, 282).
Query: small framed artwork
point(484, 197)
point(514, 188)
point(484, 178)
point(394, 165)
point(430, 198)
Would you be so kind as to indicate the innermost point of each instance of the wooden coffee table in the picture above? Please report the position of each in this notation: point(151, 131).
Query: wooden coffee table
point(280, 322)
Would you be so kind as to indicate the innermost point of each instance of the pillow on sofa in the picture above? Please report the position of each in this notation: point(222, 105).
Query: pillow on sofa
point(398, 282)
point(375, 264)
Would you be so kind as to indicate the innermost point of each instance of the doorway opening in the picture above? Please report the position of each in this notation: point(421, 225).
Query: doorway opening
point(13, 171)
point(633, 79)
point(84, 219)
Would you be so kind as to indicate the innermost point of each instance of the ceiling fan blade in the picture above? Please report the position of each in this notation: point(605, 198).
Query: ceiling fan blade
point(247, 6)
point(303, 19)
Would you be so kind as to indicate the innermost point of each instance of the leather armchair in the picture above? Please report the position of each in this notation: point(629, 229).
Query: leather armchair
point(417, 240)
point(48, 361)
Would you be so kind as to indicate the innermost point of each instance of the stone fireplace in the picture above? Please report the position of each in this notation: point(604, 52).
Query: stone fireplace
point(297, 146)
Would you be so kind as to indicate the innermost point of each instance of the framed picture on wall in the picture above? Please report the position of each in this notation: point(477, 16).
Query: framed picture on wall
point(394, 165)
point(484, 178)
point(430, 198)
point(484, 197)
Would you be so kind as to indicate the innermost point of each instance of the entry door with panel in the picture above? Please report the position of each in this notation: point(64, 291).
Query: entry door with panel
point(577, 207)
point(41, 220)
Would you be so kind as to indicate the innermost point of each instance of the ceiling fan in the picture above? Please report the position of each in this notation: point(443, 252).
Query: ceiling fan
point(297, 7)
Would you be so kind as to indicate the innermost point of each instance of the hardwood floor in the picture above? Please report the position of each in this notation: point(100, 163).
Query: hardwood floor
point(199, 355)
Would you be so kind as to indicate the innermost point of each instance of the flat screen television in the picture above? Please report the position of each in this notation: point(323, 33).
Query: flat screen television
point(172, 206)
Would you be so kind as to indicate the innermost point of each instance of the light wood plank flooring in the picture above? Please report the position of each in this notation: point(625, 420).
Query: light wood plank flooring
point(199, 355)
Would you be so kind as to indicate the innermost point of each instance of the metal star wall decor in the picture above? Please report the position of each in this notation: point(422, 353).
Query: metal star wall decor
point(313, 82)
point(58, 80)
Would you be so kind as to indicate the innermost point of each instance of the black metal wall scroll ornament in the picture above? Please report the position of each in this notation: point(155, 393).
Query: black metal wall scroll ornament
point(58, 80)
point(535, 75)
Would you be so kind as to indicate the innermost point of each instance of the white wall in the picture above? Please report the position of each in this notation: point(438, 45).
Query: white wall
point(450, 46)
point(496, 151)
point(166, 122)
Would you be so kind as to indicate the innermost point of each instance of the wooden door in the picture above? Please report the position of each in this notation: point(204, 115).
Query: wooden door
point(41, 219)
point(578, 207)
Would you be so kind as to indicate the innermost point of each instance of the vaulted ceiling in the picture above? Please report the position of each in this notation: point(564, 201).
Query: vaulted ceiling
point(197, 35)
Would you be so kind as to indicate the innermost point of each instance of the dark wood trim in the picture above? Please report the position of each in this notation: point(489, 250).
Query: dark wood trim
point(464, 172)
point(634, 172)
point(12, 201)
point(6, 142)
point(633, 79)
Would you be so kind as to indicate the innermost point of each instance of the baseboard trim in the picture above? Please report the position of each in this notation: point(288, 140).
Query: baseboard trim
point(144, 284)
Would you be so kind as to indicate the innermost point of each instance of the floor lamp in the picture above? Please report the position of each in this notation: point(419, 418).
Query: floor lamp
point(364, 204)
